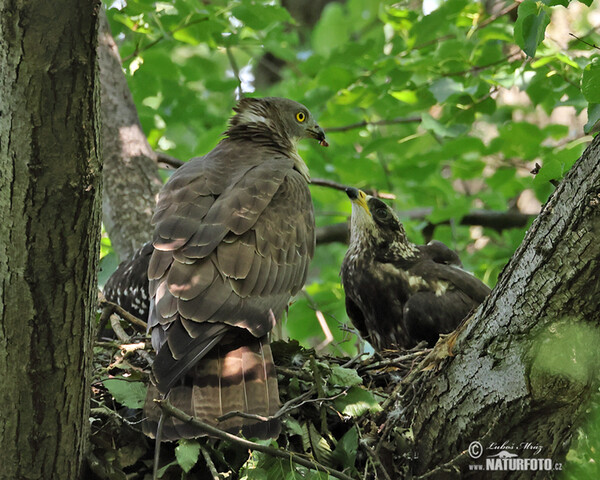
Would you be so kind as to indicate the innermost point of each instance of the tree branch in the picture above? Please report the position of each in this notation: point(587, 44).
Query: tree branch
point(364, 123)
point(124, 314)
point(162, 157)
point(338, 232)
point(526, 359)
point(130, 175)
point(169, 409)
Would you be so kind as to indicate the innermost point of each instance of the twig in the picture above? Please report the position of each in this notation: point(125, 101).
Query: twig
point(326, 330)
point(364, 123)
point(506, 10)
point(323, 182)
point(236, 71)
point(375, 459)
point(210, 464)
point(593, 45)
point(392, 361)
point(483, 24)
point(338, 232)
point(222, 435)
point(351, 362)
point(115, 323)
point(287, 407)
point(162, 157)
point(122, 335)
point(121, 312)
point(480, 68)
point(288, 372)
point(238, 413)
point(137, 51)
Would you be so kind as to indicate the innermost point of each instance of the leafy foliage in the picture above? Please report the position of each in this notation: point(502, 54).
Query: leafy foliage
point(448, 108)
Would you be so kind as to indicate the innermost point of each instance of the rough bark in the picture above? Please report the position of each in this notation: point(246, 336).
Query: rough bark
point(526, 364)
point(131, 179)
point(50, 186)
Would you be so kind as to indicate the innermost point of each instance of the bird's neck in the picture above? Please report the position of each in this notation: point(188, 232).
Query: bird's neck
point(401, 246)
point(260, 133)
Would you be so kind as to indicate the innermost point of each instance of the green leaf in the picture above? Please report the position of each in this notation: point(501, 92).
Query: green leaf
point(530, 27)
point(439, 129)
point(345, 450)
point(259, 17)
point(187, 453)
point(445, 87)
point(320, 447)
point(162, 470)
point(356, 402)
point(332, 31)
point(129, 394)
point(593, 117)
point(346, 377)
point(590, 83)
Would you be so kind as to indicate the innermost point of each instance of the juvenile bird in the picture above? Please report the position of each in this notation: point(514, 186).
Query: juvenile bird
point(398, 293)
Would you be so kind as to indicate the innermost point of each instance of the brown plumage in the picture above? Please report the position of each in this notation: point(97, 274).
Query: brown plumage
point(399, 293)
point(234, 234)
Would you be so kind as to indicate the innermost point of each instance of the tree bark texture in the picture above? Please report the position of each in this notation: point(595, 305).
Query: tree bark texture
point(50, 187)
point(526, 364)
point(131, 179)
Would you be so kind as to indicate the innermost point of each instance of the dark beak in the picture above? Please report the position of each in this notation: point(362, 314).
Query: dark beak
point(319, 134)
point(359, 198)
point(352, 193)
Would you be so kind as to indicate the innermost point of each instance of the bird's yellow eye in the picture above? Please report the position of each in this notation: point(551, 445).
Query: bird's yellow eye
point(301, 116)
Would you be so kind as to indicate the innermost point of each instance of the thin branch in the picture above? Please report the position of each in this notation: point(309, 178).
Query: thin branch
point(124, 314)
point(162, 157)
point(505, 11)
point(210, 464)
point(323, 182)
point(236, 71)
point(480, 68)
point(391, 362)
point(159, 39)
point(364, 123)
point(375, 460)
point(593, 45)
point(169, 409)
point(289, 406)
point(483, 24)
point(338, 232)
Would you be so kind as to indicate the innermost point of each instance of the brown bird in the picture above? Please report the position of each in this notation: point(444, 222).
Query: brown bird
point(398, 293)
point(234, 234)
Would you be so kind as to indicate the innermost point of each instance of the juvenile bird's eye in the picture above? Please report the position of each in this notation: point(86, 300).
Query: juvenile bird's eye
point(301, 116)
point(382, 213)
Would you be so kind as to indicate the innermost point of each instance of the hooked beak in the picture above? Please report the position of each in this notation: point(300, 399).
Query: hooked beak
point(319, 134)
point(358, 197)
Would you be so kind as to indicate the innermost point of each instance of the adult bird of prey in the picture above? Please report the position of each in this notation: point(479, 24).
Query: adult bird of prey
point(234, 234)
point(398, 293)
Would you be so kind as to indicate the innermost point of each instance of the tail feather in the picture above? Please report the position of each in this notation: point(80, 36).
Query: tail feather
point(237, 375)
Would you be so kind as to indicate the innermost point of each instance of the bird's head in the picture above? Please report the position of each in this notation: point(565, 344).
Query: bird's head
point(283, 118)
point(374, 223)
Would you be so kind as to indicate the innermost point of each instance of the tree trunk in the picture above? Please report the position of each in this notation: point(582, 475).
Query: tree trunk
point(131, 179)
point(525, 365)
point(50, 186)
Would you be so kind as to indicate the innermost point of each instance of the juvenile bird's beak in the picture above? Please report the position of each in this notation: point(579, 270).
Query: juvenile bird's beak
point(358, 197)
point(318, 133)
